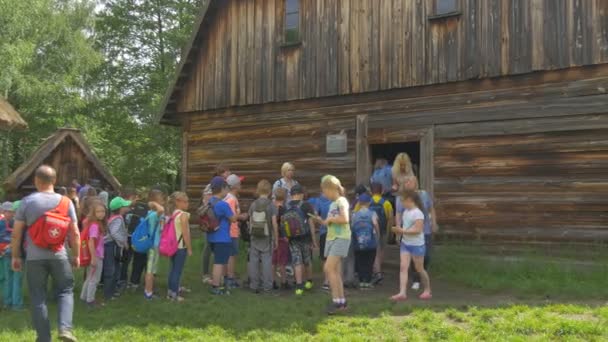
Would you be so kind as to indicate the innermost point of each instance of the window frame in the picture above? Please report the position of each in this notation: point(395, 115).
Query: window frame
point(455, 12)
point(286, 29)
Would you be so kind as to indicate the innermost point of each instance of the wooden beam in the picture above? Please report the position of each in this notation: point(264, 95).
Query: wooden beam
point(363, 169)
point(184, 173)
point(427, 156)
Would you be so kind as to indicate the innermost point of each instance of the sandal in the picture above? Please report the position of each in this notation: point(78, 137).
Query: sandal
point(426, 296)
point(398, 298)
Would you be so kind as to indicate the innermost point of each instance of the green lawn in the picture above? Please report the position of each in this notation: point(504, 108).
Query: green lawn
point(499, 311)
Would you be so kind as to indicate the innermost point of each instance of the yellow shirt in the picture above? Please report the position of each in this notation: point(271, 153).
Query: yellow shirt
point(335, 230)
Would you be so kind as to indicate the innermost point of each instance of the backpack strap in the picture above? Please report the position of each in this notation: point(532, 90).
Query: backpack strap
point(63, 207)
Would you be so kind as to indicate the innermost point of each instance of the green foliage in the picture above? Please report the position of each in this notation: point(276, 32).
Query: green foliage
point(102, 67)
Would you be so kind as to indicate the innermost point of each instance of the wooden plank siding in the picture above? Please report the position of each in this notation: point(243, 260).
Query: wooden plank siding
point(358, 46)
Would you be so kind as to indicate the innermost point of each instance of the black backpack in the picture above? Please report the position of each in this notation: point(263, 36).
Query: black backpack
point(138, 211)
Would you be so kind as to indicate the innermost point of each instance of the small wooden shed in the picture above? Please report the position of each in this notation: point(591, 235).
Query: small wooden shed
point(10, 119)
point(502, 105)
point(70, 154)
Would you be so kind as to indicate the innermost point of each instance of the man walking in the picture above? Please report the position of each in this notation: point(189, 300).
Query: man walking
point(45, 220)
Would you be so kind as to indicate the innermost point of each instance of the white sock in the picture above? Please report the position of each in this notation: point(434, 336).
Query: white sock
point(336, 300)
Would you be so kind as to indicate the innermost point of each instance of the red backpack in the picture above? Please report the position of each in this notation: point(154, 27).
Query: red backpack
point(85, 252)
point(50, 230)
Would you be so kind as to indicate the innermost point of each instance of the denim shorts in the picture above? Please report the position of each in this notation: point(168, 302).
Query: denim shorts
point(221, 252)
point(413, 250)
point(234, 248)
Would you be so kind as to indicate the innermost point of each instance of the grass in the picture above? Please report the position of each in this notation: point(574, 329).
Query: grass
point(244, 316)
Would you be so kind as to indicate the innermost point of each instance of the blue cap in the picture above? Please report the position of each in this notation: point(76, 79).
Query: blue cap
point(365, 198)
point(218, 182)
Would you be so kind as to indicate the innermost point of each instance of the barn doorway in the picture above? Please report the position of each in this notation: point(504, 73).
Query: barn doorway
point(390, 152)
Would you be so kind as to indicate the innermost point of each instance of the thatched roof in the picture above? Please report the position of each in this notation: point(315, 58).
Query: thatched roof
point(26, 169)
point(10, 119)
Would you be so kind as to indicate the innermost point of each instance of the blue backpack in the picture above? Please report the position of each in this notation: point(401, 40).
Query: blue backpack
point(378, 208)
point(141, 240)
point(383, 176)
point(363, 231)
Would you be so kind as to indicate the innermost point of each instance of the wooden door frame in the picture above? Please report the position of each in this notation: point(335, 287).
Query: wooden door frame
point(366, 136)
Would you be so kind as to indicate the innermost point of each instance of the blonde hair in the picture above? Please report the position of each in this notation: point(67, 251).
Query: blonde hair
point(402, 159)
point(280, 194)
point(171, 205)
point(264, 188)
point(92, 216)
point(332, 182)
point(285, 167)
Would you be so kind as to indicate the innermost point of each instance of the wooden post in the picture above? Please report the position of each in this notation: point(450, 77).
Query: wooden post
point(363, 172)
point(184, 170)
point(427, 172)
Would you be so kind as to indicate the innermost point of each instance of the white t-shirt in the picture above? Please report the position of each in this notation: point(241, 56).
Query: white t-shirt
point(409, 218)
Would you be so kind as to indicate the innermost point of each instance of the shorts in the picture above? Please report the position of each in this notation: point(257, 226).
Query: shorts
point(152, 264)
point(413, 250)
point(322, 239)
point(301, 252)
point(337, 247)
point(280, 256)
point(221, 252)
point(234, 249)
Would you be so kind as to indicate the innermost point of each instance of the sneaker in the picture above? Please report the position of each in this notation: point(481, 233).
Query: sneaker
point(275, 286)
point(67, 336)
point(365, 286)
point(308, 285)
point(148, 296)
point(333, 308)
point(325, 287)
point(378, 278)
point(299, 291)
point(176, 298)
point(219, 291)
point(184, 289)
point(416, 286)
point(206, 279)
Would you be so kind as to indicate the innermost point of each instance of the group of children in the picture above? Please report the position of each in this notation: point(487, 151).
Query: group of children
point(284, 228)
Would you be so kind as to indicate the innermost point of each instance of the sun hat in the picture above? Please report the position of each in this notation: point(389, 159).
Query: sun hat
point(119, 202)
point(217, 183)
point(6, 206)
point(234, 180)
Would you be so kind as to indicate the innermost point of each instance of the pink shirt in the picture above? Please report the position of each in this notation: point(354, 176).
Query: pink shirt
point(233, 202)
point(94, 233)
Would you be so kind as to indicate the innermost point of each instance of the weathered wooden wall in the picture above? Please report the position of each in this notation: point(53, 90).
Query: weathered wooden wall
point(70, 163)
point(356, 46)
point(536, 141)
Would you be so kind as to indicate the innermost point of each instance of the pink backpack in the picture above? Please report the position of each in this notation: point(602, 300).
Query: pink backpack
point(168, 238)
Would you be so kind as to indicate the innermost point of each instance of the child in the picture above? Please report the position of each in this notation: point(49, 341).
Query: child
point(9, 279)
point(322, 208)
point(234, 182)
point(264, 235)
point(96, 223)
point(365, 233)
point(300, 247)
point(412, 245)
point(206, 255)
point(156, 221)
point(384, 210)
point(219, 240)
point(115, 241)
point(338, 240)
point(178, 204)
point(280, 255)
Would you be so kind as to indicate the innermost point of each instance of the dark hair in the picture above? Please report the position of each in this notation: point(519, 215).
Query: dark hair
point(360, 189)
point(154, 194)
point(220, 169)
point(376, 188)
point(46, 174)
point(128, 192)
point(218, 188)
point(413, 195)
point(63, 191)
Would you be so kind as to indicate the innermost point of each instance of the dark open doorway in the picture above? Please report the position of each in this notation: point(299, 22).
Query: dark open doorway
point(390, 151)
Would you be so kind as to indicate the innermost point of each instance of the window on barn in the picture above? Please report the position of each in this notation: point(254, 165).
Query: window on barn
point(292, 22)
point(444, 8)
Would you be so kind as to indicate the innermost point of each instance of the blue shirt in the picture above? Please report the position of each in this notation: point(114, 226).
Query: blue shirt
point(383, 176)
point(5, 234)
point(223, 213)
point(154, 223)
point(427, 202)
point(322, 208)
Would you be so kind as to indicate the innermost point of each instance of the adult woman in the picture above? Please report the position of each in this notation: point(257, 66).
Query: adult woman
point(286, 181)
point(403, 174)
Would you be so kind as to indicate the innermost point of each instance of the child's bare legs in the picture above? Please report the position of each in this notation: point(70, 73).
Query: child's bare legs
point(298, 270)
point(231, 267)
point(403, 274)
point(424, 276)
point(379, 259)
point(149, 283)
point(308, 271)
point(333, 273)
point(218, 273)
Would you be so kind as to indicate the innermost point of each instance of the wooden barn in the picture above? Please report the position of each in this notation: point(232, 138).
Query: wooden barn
point(70, 154)
point(503, 105)
point(10, 119)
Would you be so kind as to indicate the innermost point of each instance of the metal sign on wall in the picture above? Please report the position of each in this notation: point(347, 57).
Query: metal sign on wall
point(337, 143)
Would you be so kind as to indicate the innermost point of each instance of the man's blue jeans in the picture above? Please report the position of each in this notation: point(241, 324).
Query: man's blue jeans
point(37, 273)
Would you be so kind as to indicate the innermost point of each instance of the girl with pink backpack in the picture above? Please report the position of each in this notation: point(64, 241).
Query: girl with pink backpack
point(175, 242)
